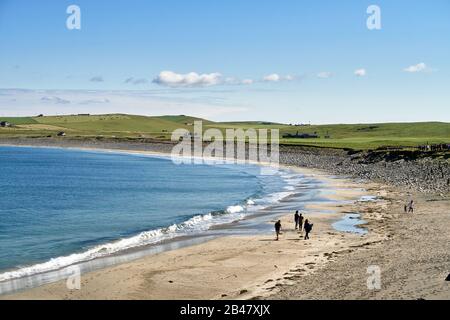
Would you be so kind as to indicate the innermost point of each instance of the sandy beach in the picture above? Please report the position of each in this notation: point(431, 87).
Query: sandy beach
point(331, 264)
point(413, 256)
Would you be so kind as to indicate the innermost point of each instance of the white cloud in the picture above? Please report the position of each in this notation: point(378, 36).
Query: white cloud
point(324, 75)
point(274, 77)
point(236, 81)
point(416, 68)
point(192, 79)
point(360, 72)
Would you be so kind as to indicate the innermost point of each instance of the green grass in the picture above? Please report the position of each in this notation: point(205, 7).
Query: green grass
point(355, 136)
point(18, 120)
point(366, 136)
point(112, 124)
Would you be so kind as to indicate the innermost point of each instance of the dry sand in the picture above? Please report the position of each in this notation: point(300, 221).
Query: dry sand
point(414, 258)
point(412, 252)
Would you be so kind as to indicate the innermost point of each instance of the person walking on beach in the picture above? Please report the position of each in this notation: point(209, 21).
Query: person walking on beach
point(411, 206)
point(308, 227)
point(296, 219)
point(278, 228)
point(300, 223)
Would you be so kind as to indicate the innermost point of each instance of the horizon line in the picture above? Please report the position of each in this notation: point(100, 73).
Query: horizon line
point(233, 121)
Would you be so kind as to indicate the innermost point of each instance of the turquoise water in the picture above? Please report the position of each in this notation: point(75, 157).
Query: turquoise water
point(59, 207)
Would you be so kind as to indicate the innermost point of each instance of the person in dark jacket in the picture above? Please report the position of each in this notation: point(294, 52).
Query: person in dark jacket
point(278, 228)
point(308, 227)
point(411, 206)
point(296, 219)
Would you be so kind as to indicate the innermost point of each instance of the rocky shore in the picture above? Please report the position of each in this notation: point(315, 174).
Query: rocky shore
point(413, 171)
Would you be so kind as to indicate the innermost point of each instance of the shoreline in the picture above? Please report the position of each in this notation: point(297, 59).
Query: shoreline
point(172, 243)
point(229, 267)
point(174, 240)
point(256, 271)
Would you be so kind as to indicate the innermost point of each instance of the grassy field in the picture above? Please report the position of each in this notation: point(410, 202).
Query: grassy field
point(355, 136)
point(365, 136)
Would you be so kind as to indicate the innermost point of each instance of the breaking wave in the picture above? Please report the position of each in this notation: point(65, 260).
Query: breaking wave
point(194, 225)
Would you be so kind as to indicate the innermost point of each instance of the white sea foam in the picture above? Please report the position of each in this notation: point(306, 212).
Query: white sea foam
point(278, 196)
point(194, 225)
point(235, 209)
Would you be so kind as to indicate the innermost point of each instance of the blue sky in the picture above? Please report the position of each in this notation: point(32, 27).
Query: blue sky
point(287, 61)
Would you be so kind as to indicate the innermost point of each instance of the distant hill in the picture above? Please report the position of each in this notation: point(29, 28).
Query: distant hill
point(356, 136)
point(184, 119)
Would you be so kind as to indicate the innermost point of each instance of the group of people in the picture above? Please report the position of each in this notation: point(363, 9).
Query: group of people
point(307, 226)
point(300, 224)
point(409, 208)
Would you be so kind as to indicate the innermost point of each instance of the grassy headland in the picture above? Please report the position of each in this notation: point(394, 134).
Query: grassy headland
point(353, 136)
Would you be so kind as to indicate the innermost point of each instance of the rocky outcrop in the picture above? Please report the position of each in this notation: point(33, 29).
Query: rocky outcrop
point(413, 171)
